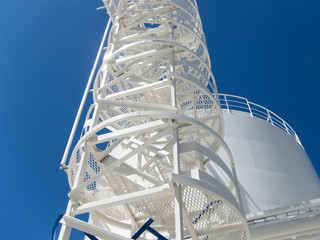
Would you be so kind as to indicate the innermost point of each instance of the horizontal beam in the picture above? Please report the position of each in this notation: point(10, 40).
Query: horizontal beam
point(137, 90)
point(153, 52)
point(138, 105)
point(91, 229)
point(146, 127)
point(158, 192)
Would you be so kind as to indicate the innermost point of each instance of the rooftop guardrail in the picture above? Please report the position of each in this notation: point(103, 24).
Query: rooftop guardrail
point(241, 106)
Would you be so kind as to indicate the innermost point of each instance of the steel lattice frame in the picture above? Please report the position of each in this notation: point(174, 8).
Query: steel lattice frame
point(153, 128)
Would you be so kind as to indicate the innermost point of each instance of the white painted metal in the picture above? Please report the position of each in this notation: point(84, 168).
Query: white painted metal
point(273, 169)
point(152, 99)
point(75, 125)
point(277, 179)
point(241, 106)
point(300, 221)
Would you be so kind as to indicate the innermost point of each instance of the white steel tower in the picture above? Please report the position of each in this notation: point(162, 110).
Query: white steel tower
point(154, 127)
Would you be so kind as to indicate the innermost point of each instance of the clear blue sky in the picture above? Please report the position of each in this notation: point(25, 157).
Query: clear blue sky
point(265, 50)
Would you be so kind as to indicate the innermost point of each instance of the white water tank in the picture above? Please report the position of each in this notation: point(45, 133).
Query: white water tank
point(273, 168)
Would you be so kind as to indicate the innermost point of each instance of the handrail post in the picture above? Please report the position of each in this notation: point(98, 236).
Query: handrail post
point(248, 104)
point(270, 117)
point(227, 105)
point(285, 125)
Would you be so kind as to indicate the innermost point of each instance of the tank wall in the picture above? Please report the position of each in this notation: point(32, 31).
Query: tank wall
point(272, 168)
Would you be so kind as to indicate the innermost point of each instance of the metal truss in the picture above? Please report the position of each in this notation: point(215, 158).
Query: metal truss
point(153, 128)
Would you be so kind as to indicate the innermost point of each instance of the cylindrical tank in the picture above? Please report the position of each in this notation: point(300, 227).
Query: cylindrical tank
point(272, 167)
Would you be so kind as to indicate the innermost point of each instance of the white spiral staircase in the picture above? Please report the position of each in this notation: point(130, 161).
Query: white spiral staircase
point(152, 130)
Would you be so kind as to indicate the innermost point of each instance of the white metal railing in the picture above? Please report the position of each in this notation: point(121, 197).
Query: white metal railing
point(241, 106)
point(311, 207)
point(298, 221)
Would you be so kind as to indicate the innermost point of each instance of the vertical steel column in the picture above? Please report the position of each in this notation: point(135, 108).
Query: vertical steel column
point(176, 155)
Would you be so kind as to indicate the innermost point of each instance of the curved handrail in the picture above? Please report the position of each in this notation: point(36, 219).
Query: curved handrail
point(241, 106)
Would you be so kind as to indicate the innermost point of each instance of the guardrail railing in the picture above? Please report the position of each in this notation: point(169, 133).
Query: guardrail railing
point(241, 106)
point(305, 208)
